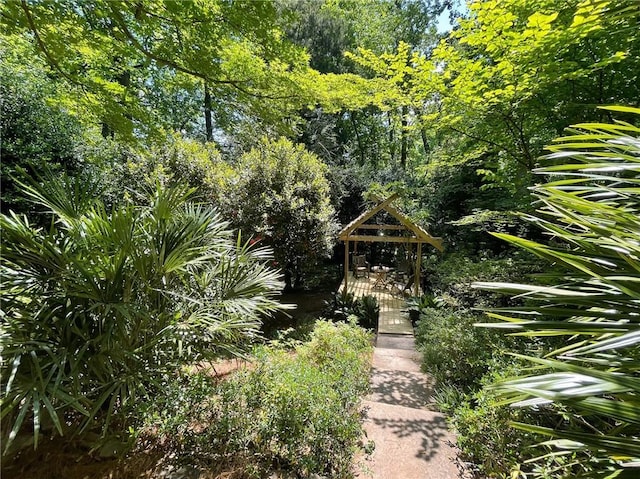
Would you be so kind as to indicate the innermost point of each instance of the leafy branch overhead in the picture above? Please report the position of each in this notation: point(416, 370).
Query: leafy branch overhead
point(114, 53)
point(511, 73)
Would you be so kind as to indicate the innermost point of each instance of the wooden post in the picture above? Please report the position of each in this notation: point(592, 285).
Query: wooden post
point(418, 268)
point(346, 265)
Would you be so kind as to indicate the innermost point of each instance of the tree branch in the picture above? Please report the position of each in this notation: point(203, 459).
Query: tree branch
point(488, 142)
point(43, 47)
point(178, 67)
point(518, 133)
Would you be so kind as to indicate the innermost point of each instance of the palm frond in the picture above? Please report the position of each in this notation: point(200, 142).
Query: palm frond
point(100, 308)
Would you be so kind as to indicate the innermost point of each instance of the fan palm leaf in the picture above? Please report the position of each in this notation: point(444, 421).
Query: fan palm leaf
point(95, 309)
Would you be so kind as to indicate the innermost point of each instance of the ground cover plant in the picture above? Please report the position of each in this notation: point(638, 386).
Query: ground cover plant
point(301, 412)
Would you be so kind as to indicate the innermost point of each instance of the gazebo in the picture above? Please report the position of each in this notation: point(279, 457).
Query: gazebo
point(407, 232)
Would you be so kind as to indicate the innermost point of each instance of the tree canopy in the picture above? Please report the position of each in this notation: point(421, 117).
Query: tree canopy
point(281, 197)
point(117, 57)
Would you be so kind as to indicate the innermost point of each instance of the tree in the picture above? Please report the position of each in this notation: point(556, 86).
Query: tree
point(513, 65)
point(281, 196)
point(36, 132)
point(174, 161)
point(590, 209)
point(102, 307)
point(117, 55)
point(329, 30)
point(512, 76)
point(400, 29)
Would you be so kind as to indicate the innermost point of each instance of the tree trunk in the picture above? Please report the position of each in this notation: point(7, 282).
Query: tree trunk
point(392, 142)
point(288, 277)
point(425, 141)
point(352, 116)
point(403, 137)
point(207, 113)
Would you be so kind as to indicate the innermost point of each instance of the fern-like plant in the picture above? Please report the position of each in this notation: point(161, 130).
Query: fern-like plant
point(590, 208)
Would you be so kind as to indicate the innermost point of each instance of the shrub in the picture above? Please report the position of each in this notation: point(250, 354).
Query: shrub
point(454, 351)
point(343, 305)
point(294, 411)
point(280, 193)
point(102, 307)
point(174, 161)
point(484, 434)
point(453, 277)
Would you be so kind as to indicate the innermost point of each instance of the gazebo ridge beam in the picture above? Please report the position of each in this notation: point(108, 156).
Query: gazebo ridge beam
point(381, 227)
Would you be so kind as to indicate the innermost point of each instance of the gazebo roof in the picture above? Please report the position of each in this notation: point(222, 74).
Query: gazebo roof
point(419, 235)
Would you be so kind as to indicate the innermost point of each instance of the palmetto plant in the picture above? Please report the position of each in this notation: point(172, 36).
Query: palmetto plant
point(590, 208)
point(100, 308)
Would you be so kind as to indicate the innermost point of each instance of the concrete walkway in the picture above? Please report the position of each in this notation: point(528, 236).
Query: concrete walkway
point(411, 438)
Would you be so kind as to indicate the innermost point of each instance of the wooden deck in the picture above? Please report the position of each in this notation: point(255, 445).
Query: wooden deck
point(393, 316)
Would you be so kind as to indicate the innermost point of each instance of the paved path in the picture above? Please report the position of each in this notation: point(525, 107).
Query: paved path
point(411, 439)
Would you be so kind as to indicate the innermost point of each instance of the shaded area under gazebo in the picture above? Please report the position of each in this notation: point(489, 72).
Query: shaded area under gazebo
point(394, 318)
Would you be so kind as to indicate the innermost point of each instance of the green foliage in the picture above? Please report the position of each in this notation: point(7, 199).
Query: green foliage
point(509, 54)
point(281, 195)
point(452, 278)
point(418, 305)
point(139, 70)
point(590, 206)
point(344, 305)
point(368, 312)
point(174, 161)
point(388, 23)
point(100, 308)
point(36, 132)
point(296, 412)
point(508, 79)
point(484, 432)
point(322, 32)
point(303, 412)
point(340, 306)
point(117, 58)
point(454, 352)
